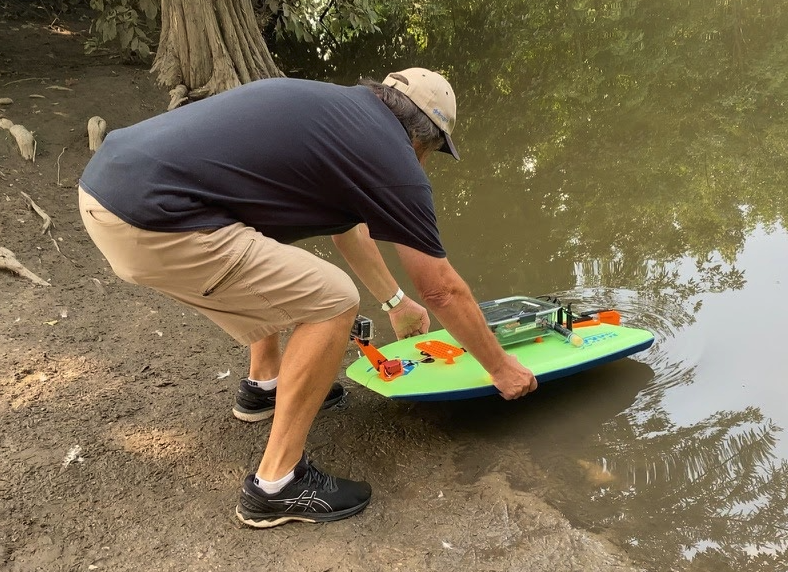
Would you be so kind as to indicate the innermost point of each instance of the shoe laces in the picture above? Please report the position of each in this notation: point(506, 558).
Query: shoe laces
point(319, 479)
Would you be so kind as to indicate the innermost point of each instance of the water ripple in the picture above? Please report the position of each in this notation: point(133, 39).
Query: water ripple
point(672, 358)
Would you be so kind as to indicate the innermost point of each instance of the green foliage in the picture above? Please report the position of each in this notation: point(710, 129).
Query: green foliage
point(124, 25)
point(333, 20)
point(129, 26)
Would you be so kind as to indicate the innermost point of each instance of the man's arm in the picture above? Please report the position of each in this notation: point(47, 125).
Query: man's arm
point(448, 296)
point(360, 251)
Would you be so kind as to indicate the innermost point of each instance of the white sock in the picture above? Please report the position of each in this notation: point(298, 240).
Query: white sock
point(267, 385)
point(273, 487)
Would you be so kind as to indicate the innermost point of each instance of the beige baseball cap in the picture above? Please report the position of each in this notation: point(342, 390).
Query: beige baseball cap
point(433, 95)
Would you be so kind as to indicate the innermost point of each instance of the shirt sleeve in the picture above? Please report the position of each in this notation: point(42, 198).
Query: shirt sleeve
point(405, 215)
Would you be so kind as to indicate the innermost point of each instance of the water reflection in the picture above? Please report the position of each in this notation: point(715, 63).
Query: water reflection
point(713, 490)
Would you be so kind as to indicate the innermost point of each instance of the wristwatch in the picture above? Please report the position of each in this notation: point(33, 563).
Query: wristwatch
point(392, 302)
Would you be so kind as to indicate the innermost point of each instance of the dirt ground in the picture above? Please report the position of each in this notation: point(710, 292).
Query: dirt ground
point(117, 447)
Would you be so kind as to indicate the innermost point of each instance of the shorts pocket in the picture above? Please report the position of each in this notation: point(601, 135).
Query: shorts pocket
point(102, 216)
point(228, 272)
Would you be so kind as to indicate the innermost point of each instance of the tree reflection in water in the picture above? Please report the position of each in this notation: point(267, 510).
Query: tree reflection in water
point(715, 488)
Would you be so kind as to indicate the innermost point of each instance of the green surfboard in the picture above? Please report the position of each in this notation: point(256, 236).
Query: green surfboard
point(424, 378)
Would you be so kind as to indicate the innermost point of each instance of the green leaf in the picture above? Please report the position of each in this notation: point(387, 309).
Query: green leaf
point(150, 8)
point(107, 29)
point(143, 50)
point(125, 36)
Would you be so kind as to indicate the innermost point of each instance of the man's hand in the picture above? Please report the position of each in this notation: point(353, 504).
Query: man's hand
point(409, 319)
point(513, 379)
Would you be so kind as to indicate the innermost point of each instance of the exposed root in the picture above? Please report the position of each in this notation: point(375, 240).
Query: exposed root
point(46, 228)
point(24, 139)
point(97, 130)
point(9, 262)
point(47, 219)
point(26, 79)
point(58, 166)
point(178, 95)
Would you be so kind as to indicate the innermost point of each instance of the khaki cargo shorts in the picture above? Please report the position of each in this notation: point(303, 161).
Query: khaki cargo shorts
point(251, 286)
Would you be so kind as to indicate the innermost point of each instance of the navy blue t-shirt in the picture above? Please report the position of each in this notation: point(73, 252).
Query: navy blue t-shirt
point(291, 158)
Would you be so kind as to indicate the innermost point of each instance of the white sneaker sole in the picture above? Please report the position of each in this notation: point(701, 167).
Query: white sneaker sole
point(252, 417)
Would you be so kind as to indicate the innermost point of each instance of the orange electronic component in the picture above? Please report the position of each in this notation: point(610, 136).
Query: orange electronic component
point(388, 369)
point(440, 350)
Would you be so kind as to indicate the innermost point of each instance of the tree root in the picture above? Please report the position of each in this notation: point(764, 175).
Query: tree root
point(97, 130)
point(24, 139)
point(9, 262)
point(58, 166)
point(46, 228)
point(47, 219)
point(178, 95)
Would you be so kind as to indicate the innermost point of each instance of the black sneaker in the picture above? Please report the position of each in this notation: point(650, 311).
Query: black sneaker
point(312, 496)
point(255, 404)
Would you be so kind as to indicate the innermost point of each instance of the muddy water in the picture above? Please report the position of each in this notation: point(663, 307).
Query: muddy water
point(631, 156)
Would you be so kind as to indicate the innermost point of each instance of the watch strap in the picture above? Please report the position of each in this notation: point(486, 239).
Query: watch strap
point(392, 302)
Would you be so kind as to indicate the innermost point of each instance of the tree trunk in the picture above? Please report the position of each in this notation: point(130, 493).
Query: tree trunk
point(210, 46)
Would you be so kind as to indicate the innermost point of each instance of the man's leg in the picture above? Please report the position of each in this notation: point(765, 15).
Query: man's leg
point(287, 486)
point(309, 365)
point(265, 358)
point(255, 401)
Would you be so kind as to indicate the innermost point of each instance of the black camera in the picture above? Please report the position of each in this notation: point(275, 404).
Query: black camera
point(362, 329)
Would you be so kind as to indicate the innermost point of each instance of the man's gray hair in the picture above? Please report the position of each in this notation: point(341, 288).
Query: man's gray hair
point(418, 126)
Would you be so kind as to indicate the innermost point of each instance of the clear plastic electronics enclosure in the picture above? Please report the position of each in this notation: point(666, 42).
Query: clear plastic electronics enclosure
point(516, 320)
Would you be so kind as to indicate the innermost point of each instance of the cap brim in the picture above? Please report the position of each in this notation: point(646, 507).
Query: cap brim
point(448, 147)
